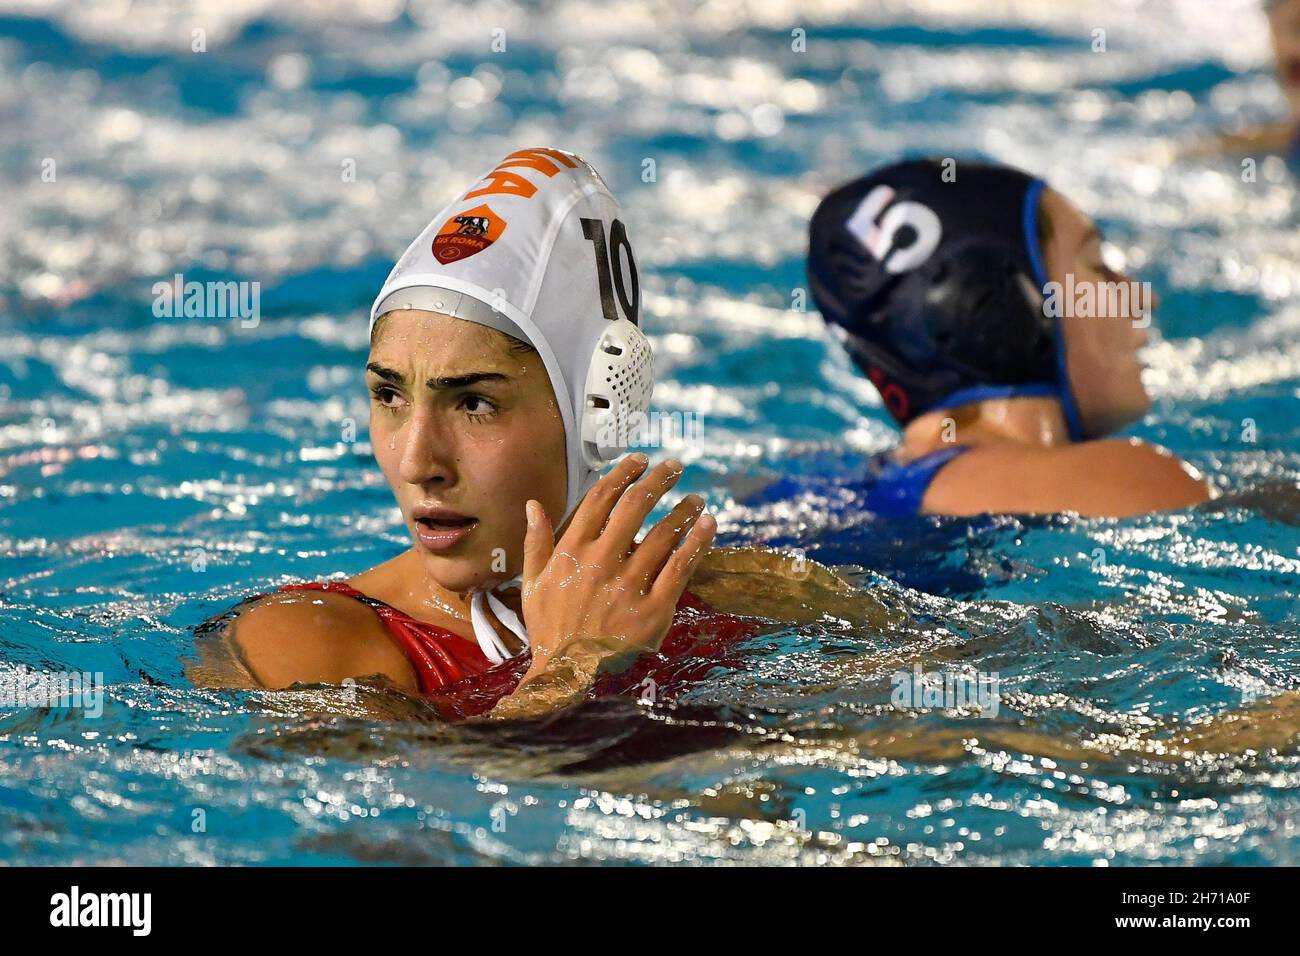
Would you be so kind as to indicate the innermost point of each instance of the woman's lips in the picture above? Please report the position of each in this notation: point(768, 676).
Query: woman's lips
point(440, 529)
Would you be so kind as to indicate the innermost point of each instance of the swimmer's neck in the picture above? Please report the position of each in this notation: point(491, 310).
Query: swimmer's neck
point(405, 583)
point(1035, 422)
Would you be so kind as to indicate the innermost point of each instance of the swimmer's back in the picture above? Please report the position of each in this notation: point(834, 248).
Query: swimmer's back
point(1114, 477)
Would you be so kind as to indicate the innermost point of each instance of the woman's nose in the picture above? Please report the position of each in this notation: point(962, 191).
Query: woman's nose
point(427, 455)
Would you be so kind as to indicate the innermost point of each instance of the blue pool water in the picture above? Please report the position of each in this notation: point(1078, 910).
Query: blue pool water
point(154, 471)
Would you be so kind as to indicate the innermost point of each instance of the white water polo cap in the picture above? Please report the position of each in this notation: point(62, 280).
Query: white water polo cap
point(536, 249)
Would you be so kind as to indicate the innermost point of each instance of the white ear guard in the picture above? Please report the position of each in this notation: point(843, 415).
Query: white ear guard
point(617, 395)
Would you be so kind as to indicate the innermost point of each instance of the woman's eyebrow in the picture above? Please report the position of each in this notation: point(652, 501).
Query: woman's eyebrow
point(442, 381)
point(469, 378)
point(387, 374)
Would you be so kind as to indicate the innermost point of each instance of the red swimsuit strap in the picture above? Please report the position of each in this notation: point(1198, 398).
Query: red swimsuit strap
point(439, 656)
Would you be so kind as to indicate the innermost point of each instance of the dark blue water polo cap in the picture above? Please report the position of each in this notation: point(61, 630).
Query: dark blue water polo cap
point(936, 288)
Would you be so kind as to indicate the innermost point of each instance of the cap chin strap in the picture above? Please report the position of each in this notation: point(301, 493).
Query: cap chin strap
point(489, 641)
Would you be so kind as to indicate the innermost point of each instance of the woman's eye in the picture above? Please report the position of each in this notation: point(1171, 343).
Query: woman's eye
point(385, 396)
point(477, 406)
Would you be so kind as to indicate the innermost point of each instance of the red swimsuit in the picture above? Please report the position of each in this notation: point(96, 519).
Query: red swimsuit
point(461, 682)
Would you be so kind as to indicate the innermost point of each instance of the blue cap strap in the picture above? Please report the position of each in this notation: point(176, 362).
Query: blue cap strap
point(1069, 408)
point(984, 393)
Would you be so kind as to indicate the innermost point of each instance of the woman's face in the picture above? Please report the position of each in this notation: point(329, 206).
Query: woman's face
point(1103, 325)
point(1284, 25)
point(466, 430)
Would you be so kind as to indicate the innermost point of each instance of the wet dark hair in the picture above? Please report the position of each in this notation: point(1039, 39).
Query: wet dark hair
point(519, 345)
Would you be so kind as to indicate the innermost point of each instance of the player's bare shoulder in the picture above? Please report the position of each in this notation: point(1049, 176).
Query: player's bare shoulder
point(308, 636)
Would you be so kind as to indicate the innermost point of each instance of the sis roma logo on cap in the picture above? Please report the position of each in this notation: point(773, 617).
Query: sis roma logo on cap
point(473, 230)
point(467, 233)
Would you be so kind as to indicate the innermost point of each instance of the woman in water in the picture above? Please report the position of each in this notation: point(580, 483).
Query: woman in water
point(506, 369)
point(980, 304)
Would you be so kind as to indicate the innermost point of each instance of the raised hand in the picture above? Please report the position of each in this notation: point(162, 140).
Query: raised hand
point(592, 598)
